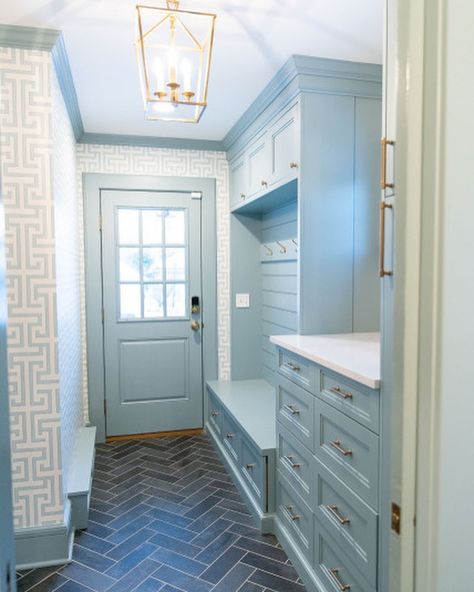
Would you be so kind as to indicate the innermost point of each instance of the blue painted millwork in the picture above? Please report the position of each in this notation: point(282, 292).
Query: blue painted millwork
point(151, 142)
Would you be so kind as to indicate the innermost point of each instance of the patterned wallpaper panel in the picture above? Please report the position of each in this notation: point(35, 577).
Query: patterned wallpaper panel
point(93, 158)
point(26, 154)
point(67, 278)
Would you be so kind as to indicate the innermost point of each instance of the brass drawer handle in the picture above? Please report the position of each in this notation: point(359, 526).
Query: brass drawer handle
point(383, 163)
point(292, 409)
point(335, 513)
point(229, 436)
point(337, 445)
point(242, 196)
point(382, 271)
point(337, 390)
point(264, 184)
point(292, 366)
point(214, 413)
point(335, 577)
point(293, 517)
point(250, 467)
point(293, 165)
point(293, 465)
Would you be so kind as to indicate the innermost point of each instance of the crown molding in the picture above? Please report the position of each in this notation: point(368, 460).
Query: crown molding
point(151, 142)
point(28, 37)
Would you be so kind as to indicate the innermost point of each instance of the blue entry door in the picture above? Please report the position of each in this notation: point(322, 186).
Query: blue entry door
point(151, 270)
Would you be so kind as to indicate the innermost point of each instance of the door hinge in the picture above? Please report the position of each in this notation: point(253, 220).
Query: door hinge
point(396, 517)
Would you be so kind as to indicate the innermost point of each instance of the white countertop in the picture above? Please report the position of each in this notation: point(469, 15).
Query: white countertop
point(355, 355)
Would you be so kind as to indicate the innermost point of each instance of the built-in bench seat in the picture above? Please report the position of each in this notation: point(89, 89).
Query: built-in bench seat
point(241, 423)
point(80, 478)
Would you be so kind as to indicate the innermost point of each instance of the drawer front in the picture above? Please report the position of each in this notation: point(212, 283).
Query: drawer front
point(297, 464)
point(350, 522)
point(353, 399)
point(252, 468)
point(335, 568)
point(300, 371)
point(349, 450)
point(214, 413)
point(295, 516)
point(231, 438)
point(295, 410)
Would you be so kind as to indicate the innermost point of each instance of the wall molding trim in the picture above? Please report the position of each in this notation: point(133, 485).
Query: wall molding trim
point(151, 142)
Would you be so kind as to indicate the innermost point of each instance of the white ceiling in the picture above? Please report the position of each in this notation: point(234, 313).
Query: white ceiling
point(253, 40)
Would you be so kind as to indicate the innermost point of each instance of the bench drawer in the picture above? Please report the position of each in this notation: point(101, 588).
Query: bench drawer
point(297, 464)
point(252, 468)
point(295, 516)
point(350, 522)
point(295, 410)
point(214, 413)
point(297, 369)
point(231, 438)
point(349, 450)
point(354, 399)
point(335, 568)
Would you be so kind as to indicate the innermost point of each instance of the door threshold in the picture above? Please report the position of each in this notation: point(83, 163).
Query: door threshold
point(149, 436)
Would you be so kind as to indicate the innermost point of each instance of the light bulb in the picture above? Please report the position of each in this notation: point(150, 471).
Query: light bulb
point(186, 68)
point(173, 65)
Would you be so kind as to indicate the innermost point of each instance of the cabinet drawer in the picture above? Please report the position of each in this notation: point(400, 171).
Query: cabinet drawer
point(355, 400)
point(349, 450)
point(297, 464)
point(214, 413)
point(231, 438)
point(334, 567)
point(295, 516)
point(300, 371)
point(350, 522)
point(252, 468)
point(295, 410)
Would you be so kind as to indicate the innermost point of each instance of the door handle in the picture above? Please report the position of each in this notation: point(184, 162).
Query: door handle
point(383, 163)
point(382, 271)
point(195, 325)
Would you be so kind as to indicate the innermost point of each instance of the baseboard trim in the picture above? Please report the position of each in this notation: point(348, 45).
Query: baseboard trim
point(152, 435)
point(45, 546)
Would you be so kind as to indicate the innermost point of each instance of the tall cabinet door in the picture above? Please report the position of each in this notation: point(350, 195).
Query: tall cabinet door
point(238, 180)
point(283, 144)
point(257, 166)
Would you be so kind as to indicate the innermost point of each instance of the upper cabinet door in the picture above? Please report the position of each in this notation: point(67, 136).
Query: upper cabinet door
point(258, 166)
point(284, 148)
point(238, 180)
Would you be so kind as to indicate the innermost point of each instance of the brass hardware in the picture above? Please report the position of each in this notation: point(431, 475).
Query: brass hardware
point(382, 271)
point(294, 465)
point(337, 390)
point(250, 467)
point(264, 184)
point(229, 436)
point(292, 409)
point(195, 309)
point(269, 251)
point(282, 247)
point(335, 513)
point(242, 196)
point(383, 164)
point(295, 242)
point(195, 325)
point(293, 517)
point(214, 413)
point(335, 577)
point(293, 165)
point(292, 366)
point(396, 518)
point(337, 445)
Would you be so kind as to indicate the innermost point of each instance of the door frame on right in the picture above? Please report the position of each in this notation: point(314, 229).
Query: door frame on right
point(93, 184)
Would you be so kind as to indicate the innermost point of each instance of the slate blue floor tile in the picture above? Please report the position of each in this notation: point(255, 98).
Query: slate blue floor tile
point(274, 582)
point(202, 507)
point(136, 576)
point(70, 586)
point(87, 577)
point(91, 559)
point(173, 531)
point(262, 549)
point(211, 532)
point(92, 542)
point(168, 575)
point(165, 516)
point(127, 517)
point(275, 567)
point(176, 560)
point(120, 568)
point(130, 544)
point(99, 530)
point(223, 564)
point(149, 585)
point(49, 584)
point(207, 519)
point(234, 579)
point(217, 547)
point(167, 542)
point(119, 536)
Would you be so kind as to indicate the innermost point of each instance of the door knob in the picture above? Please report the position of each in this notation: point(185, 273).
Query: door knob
point(195, 325)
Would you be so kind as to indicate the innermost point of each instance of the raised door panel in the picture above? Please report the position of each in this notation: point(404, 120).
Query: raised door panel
point(284, 148)
point(258, 169)
point(238, 180)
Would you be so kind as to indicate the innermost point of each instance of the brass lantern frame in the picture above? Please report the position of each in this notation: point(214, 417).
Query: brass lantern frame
point(174, 14)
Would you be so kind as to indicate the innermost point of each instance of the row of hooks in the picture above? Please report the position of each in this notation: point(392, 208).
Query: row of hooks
point(283, 247)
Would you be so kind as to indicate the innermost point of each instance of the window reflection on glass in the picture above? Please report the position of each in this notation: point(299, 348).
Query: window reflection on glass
point(152, 264)
point(175, 300)
point(129, 264)
point(175, 264)
point(130, 301)
point(152, 227)
point(153, 301)
point(175, 227)
point(128, 226)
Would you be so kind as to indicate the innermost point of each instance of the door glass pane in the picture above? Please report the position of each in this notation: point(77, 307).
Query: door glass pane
point(130, 301)
point(152, 227)
point(175, 227)
point(175, 300)
point(175, 264)
point(152, 265)
point(129, 264)
point(128, 226)
point(153, 301)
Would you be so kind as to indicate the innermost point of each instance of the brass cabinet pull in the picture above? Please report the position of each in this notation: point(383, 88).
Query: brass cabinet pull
point(292, 409)
point(335, 577)
point(214, 413)
point(229, 436)
point(382, 271)
point(383, 164)
point(292, 366)
point(335, 513)
point(264, 184)
point(293, 517)
point(250, 467)
point(337, 390)
point(242, 196)
point(337, 445)
point(293, 165)
point(293, 465)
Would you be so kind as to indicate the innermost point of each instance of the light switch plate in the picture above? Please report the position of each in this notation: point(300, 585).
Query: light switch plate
point(242, 301)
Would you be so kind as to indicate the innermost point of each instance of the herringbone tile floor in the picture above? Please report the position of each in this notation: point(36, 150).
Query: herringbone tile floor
point(166, 517)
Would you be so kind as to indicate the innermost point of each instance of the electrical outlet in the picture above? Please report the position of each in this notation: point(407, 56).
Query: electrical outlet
point(242, 301)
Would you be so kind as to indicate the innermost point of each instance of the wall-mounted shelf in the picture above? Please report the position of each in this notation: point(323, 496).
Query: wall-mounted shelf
point(268, 201)
point(282, 250)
